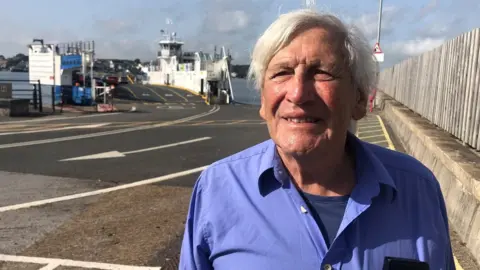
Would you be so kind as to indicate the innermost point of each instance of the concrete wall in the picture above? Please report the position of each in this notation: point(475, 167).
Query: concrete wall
point(456, 167)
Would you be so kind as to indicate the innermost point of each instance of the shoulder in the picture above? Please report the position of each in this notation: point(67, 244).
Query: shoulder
point(405, 170)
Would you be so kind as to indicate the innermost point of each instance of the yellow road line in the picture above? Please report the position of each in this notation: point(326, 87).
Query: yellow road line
point(130, 79)
point(178, 87)
point(236, 122)
point(202, 123)
point(130, 90)
point(31, 127)
point(13, 126)
point(457, 264)
point(389, 141)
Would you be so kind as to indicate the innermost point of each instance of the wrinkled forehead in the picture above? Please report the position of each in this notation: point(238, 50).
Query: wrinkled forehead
point(322, 43)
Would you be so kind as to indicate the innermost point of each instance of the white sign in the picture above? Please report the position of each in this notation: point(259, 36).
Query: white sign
point(41, 65)
point(377, 53)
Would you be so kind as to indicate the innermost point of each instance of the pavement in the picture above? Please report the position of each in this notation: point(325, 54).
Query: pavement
point(111, 191)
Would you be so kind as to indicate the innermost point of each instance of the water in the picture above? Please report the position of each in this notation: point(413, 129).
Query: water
point(243, 92)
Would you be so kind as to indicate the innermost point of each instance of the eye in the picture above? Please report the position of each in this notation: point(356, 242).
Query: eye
point(281, 73)
point(322, 75)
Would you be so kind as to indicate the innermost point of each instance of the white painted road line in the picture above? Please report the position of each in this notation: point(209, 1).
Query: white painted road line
point(56, 118)
point(101, 191)
point(379, 129)
point(54, 129)
point(117, 154)
point(51, 263)
point(112, 132)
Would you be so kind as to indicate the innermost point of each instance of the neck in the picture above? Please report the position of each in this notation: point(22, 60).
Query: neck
point(322, 173)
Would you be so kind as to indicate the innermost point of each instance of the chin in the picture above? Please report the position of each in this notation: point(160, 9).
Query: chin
point(297, 144)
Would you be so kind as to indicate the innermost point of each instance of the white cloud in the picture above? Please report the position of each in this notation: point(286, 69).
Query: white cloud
point(418, 46)
point(231, 21)
point(114, 26)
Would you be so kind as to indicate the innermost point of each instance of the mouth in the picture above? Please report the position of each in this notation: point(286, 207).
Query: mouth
point(302, 120)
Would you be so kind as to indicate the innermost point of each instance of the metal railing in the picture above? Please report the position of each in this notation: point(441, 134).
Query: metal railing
point(443, 86)
point(33, 92)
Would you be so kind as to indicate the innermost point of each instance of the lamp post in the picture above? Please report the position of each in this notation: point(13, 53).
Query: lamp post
point(379, 21)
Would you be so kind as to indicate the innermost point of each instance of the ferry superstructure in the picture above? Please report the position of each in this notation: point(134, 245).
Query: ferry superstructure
point(202, 73)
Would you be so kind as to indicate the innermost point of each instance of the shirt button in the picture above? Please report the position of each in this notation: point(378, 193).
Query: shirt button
point(327, 267)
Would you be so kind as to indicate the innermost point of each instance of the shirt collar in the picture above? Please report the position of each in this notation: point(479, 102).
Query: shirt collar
point(370, 172)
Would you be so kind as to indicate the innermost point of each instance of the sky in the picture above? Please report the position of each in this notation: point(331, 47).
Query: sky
point(131, 29)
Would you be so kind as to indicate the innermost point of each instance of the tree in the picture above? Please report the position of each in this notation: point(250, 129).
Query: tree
point(137, 61)
point(20, 56)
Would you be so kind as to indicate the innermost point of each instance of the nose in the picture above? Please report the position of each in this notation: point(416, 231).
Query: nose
point(302, 89)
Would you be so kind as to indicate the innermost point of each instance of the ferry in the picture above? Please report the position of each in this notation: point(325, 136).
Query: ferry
point(202, 73)
point(60, 66)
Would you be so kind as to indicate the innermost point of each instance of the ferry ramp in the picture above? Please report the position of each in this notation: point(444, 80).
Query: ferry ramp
point(166, 95)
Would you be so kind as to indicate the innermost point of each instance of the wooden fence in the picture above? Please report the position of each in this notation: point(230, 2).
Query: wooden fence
point(442, 85)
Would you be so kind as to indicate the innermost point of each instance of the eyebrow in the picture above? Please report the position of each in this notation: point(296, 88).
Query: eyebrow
point(315, 63)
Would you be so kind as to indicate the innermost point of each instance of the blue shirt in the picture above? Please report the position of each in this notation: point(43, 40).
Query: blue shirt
point(245, 213)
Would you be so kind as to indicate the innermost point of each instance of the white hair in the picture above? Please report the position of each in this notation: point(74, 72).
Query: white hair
point(359, 58)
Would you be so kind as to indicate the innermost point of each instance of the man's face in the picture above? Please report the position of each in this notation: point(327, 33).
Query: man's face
point(308, 97)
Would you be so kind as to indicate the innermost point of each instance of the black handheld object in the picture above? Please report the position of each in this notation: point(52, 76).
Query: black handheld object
point(392, 263)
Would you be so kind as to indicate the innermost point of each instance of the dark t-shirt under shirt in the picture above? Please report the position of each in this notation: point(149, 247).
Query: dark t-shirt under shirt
point(328, 213)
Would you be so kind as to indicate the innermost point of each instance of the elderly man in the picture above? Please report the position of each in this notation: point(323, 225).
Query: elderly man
point(314, 196)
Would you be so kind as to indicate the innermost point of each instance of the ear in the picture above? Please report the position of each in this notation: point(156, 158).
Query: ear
point(262, 106)
point(360, 107)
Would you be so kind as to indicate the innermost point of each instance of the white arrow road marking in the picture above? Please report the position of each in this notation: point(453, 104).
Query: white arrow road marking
point(117, 154)
point(54, 129)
